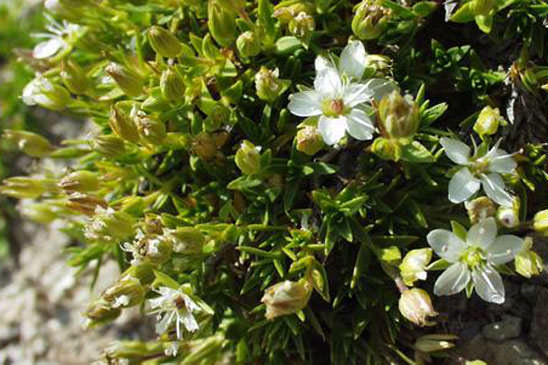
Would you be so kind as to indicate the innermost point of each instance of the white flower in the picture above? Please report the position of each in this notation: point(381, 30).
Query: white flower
point(171, 349)
point(478, 171)
point(35, 92)
point(174, 306)
point(60, 37)
point(338, 98)
point(474, 260)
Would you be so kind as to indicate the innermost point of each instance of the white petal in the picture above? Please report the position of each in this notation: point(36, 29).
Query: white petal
point(504, 249)
point(354, 94)
point(502, 162)
point(332, 129)
point(377, 88)
point(493, 185)
point(452, 280)
point(457, 151)
point(352, 61)
point(29, 92)
point(48, 48)
point(305, 104)
point(482, 234)
point(328, 83)
point(359, 125)
point(321, 63)
point(446, 244)
point(189, 321)
point(462, 186)
point(488, 284)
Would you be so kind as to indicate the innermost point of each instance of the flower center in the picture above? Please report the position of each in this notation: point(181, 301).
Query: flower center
point(473, 257)
point(480, 166)
point(333, 108)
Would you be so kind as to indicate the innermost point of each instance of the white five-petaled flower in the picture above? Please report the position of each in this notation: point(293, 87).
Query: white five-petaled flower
point(60, 37)
point(174, 306)
point(474, 259)
point(338, 97)
point(478, 171)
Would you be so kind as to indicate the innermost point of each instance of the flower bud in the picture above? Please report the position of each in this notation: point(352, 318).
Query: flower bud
point(122, 124)
point(386, 149)
point(302, 26)
point(248, 44)
point(248, 158)
point(508, 217)
point(30, 143)
point(413, 265)
point(488, 121)
point(187, 240)
point(399, 116)
point(287, 297)
point(84, 203)
point(130, 83)
point(540, 222)
point(149, 248)
point(164, 42)
point(128, 292)
point(269, 86)
point(433, 343)
point(415, 305)
point(109, 226)
point(480, 208)
point(204, 146)
point(151, 131)
point(43, 213)
point(370, 20)
point(527, 262)
point(74, 78)
point(378, 64)
point(221, 23)
point(80, 181)
point(100, 312)
point(218, 116)
point(309, 140)
point(109, 145)
point(172, 85)
point(24, 187)
point(286, 11)
point(43, 92)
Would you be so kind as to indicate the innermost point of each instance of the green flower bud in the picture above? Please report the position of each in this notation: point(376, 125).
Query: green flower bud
point(164, 42)
point(509, 216)
point(480, 208)
point(122, 124)
point(151, 248)
point(528, 263)
point(26, 187)
point(302, 26)
point(248, 158)
point(286, 11)
point(540, 222)
point(144, 272)
point(221, 23)
point(379, 65)
point(109, 226)
point(84, 203)
point(386, 149)
point(269, 86)
point(309, 140)
point(100, 312)
point(248, 44)
point(416, 306)
point(413, 265)
point(109, 145)
point(204, 146)
point(151, 131)
point(30, 143)
point(80, 181)
point(43, 92)
point(399, 116)
point(370, 20)
point(218, 116)
point(187, 240)
point(43, 213)
point(433, 343)
point(128, 292)
point(285, 298)
point(130, 83)
point(74, 78)
point(172, 85)
point(488, 121)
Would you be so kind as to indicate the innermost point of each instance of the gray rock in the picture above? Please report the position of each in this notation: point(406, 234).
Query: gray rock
point(508, 328)
point(539, 323)
point(510, 352)
point(530, 292)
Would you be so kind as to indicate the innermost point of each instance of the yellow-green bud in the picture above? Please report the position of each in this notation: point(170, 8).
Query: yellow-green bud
point(370, 20)
point(109, 226)
point(302, 26)
point(248, 158)
point(218, 116)
point(100, 312)
point(528, 263)
point(128, 292)
point(187, 240)
point(285, 13)
point(172, 85)
point(386, 149)
point(221, 23)
point(488, 121)
point(30, 143)
point(285, 298)
point(413, 265)
point(480, 208)
point(540, 222)
point(379, 64)
point(248, 44)
point(204, 146)
point(122, 124)
point(151, 131)
point(25, 187)
point(269, 86)
point(164, 42)
point(309, 140)
point(84, 203)
point(508, 216)
point(433, 343)
point(151, 248)
point(43, 213)
point(399, 116)
point(80, 181)
point(415, 305)
point(109, 145)
point(74, 78)
point(130, 83)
